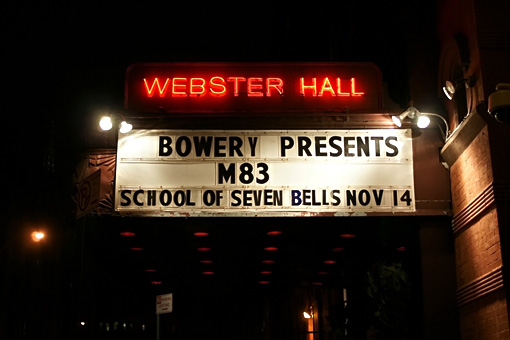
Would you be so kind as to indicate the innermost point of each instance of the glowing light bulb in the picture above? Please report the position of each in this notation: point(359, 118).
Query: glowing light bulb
point(125, 127)
point(396, 121)
point(105, 123)
point(423, 122)
point(37, 236)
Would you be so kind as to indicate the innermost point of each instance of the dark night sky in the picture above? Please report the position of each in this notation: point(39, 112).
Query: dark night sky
point(84, 48)
point(63, 62)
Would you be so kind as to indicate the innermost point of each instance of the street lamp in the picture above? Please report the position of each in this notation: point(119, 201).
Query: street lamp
point(37, 236)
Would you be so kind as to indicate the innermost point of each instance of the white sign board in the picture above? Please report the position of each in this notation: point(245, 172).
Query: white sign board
point(164, 303)
point(269, 172)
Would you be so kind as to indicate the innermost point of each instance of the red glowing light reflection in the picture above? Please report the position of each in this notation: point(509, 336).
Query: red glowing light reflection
point(338, 249)
point(206, 261)
point(127, 233)
point(274, 232)
point(201, 233)
point(271, 248)
point(208, 273)
point(266, 272)
point(268, 261)
point(203, 249)
point(330, 262)
point(136, 248)
point(150, 270)
point(347, 235)
point(156, 282)
point(264, 282)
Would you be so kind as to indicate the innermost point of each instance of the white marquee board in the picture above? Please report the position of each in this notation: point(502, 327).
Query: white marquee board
point(264, 172)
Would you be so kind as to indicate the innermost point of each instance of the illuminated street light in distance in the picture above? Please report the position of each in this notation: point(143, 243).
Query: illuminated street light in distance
point(37, 236)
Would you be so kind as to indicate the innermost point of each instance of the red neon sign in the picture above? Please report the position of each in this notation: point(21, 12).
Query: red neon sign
point(327, 88)
point(215, 86)
point(255, 87)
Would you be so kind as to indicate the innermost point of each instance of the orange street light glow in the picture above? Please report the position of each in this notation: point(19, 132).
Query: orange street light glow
point(37, 236)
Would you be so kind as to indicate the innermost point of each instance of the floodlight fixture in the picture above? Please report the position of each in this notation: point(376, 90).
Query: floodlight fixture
point(107, 121)
point(450, 87)
point(125, 127)
point(421, 119)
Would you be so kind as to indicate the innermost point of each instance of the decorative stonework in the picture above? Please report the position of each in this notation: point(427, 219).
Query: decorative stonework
point(481, 286)
point(474, 209)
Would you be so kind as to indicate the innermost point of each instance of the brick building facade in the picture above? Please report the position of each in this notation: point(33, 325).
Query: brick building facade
point(475, 45)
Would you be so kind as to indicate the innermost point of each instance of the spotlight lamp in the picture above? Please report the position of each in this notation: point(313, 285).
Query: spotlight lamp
point(106, 123)
point(422, 120)
point(411, 113)
point(450, 87)
point(125, 127)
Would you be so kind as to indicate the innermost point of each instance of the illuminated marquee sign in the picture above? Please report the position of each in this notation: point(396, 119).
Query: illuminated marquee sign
point(269, 172)
point(256, 87)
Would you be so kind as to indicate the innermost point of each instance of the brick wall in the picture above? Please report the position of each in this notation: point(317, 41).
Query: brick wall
point(481, 297)
point(471, 173)
point(477, 249)
point(485, 318)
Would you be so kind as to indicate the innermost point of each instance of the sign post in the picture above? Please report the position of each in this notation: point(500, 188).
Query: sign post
point(164, 304)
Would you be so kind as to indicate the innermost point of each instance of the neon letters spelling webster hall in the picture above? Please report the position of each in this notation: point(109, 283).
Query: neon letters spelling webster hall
point(241, 87)
point(217, 86)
